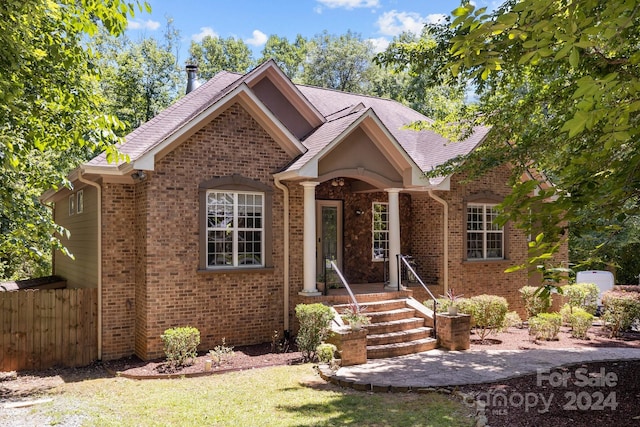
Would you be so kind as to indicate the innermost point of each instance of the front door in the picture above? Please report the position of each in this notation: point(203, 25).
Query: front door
point(329, 234)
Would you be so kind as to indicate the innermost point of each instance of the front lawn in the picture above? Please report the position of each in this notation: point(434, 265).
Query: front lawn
point(279, 396)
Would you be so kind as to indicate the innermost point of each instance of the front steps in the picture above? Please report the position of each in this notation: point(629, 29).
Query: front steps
point(396, 329)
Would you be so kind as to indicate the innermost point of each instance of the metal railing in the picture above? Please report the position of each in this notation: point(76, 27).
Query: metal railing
point(346, 285)
point(404, 259)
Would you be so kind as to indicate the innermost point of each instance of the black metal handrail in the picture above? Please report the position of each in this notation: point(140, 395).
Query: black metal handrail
point(403, 259)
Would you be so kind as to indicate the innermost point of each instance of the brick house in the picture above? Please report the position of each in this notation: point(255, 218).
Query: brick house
point(237, 194)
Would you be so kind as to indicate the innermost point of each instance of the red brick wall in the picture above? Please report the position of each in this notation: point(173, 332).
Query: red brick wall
point(467, 277)
point(118, 271)
point(242, 308)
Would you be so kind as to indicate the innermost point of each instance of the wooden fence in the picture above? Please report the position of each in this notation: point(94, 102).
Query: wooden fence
point(44, 328)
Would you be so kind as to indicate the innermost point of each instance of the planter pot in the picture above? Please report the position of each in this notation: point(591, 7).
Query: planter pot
point(452, 310)
point(355, 326)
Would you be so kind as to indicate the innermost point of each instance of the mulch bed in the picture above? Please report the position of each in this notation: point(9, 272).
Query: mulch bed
point(246, 357)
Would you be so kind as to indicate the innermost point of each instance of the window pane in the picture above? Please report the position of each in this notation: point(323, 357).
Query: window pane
point(219, 210)
point(380, 233)
point(494, 245)
point(249, 248)
point(219, 248)
point(236, 216)
point(474, 245)
point(474, 218)
point(492, 214)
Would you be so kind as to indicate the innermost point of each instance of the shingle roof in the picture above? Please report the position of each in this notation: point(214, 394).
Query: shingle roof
point(426, 148)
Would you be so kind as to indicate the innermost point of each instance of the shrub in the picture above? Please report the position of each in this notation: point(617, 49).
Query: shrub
point(545, 326)
point(315, 325)
point(580, 321)
point(565, 313)
point(487, 312)
point(582, 295)
point(533, 302)
point(621, 310)
point(511, 319)
point(326, 353)
point(181, 345)
point(221, 353)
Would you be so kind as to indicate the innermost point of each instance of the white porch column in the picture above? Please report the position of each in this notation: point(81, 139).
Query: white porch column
point(309, 247)
point(394, 236)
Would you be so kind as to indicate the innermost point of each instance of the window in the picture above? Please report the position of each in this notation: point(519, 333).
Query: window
point(80, 201)
point(380, 231)
point(234, 229)
point(72, 204)
point(485, 238)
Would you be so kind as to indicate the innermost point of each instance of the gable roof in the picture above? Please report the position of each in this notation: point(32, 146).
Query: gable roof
point(330, 112)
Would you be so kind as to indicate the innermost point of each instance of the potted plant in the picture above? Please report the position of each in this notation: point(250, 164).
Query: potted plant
point(355, 316)
point(452, 299)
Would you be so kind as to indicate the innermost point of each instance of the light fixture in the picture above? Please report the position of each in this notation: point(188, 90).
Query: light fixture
point(337, 182)
point(359, 212)
point(138, 176)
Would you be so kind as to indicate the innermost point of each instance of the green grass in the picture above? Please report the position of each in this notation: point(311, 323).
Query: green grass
point(280, 396)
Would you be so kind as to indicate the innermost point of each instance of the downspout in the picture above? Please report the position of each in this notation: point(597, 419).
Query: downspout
point(99, 190)
point(285, 267)
point(445, 274)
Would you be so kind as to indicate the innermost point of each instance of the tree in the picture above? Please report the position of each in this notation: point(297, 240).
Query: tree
point(289, 56)
point(214, 54)
point(558, 82)
point(422, 90)
point(139, 79)
point(49, 112)
point(339, 62)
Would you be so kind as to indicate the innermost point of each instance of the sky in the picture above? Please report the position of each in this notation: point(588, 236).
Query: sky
point(254, 20)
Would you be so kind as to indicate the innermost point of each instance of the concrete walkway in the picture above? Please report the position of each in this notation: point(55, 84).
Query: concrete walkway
point(440, 368)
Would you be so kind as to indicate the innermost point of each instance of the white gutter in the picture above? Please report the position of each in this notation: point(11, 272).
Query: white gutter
point(445, 274)
point(285, 267)
point(99, 213)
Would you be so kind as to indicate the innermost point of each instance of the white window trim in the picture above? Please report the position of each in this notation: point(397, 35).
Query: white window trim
point(235, 231)
point(72, 204)
point(80, 201)
point(485, 231)
point(374, 231)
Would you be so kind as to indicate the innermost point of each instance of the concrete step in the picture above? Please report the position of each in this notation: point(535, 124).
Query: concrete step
point(400, 349)
point(400, 336)
point(395, 325)
point(389, 315)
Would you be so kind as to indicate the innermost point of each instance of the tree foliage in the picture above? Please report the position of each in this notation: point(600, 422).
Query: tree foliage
point(49, 112)
point(214, 54)
point(558, 82)
point(289, 56)
point(339, 62)
point(139, 78)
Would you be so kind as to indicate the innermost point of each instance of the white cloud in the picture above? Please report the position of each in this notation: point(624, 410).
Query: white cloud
point(393, 23)
point(143, 25)
point(435, 18)
point(379, 44)
point(259, 38)
point(204, 32)
point(349, 4)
